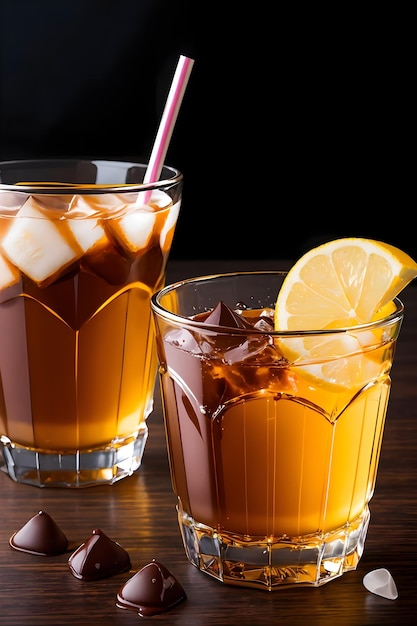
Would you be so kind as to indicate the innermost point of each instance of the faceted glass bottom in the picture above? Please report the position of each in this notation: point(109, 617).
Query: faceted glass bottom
point(81, 469)
point(274, 563)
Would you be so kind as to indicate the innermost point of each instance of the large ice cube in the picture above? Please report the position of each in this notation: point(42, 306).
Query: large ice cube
point(37, 245)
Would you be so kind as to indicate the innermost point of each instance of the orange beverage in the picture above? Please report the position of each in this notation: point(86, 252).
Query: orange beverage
point(273, 466)
point(79, 262)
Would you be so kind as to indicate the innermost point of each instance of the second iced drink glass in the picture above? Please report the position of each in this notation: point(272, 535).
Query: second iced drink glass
point(273, 468)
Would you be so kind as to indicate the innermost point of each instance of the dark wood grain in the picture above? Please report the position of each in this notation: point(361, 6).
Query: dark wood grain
point(139, 512)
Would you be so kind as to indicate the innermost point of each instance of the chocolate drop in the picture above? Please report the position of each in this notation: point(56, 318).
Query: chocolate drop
point(222, 315)
point(99, 557)
point(152, 590)
point(41, 536)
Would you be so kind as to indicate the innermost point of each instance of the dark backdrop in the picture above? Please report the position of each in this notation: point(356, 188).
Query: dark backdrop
point(296, 126)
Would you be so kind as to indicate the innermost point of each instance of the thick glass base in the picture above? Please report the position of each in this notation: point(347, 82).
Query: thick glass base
point(274, 563)
point(81, 469)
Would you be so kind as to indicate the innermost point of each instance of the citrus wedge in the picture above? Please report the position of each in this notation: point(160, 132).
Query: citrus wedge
point(341, 284)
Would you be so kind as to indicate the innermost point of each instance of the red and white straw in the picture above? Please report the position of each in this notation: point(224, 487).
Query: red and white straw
point(169, 117)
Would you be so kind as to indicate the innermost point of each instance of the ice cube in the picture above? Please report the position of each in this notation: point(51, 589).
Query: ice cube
point(134, 229)
point(86, 229)
point(8, 273)
point(265, 324)
point(37, 245)
point(184, 340)
point(87, 233)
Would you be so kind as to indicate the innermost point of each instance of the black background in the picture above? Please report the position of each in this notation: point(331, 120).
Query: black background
point(297, 125)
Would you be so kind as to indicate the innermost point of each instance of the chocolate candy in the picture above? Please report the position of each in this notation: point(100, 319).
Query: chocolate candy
point(152, 590)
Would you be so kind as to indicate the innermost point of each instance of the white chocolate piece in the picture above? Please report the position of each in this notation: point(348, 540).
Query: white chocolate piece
point(380, 582)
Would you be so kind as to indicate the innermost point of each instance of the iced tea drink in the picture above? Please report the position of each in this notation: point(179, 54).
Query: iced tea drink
point(273, 468)
point(83, 246)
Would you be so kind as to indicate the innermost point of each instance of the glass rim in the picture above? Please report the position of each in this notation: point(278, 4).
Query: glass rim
point(57, 188)
point(167, 315)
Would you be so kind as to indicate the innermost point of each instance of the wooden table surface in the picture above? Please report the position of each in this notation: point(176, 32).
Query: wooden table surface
point(139, 513)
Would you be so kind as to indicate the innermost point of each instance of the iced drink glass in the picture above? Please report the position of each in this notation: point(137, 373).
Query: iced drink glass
point(272, 469)
point(83, 246)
